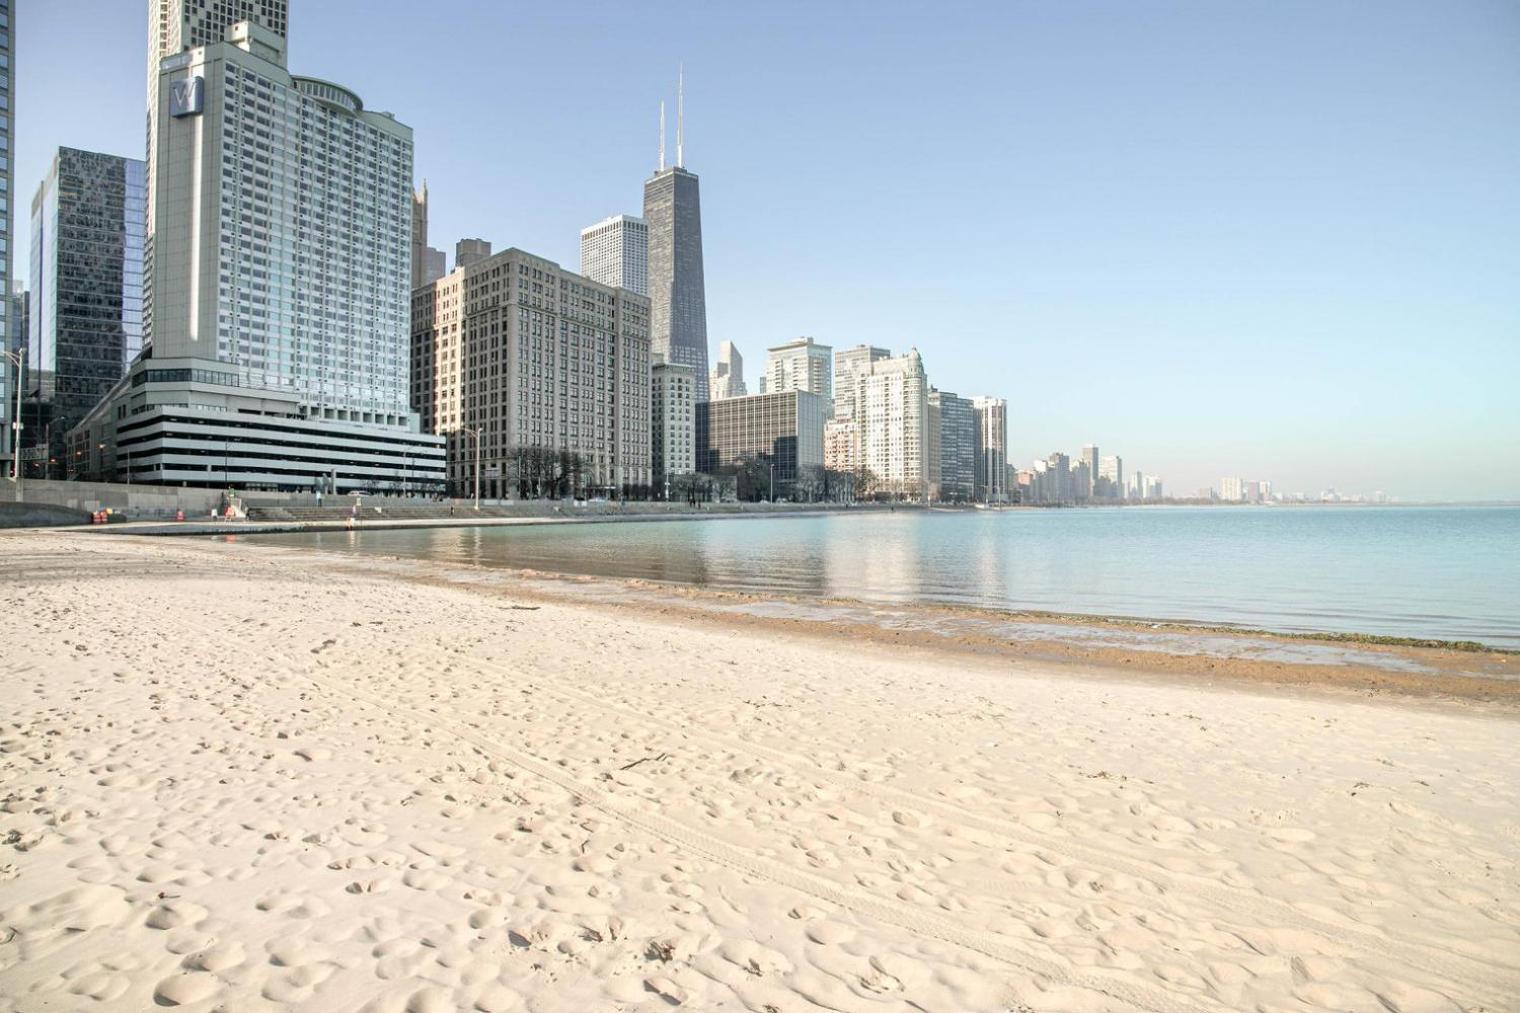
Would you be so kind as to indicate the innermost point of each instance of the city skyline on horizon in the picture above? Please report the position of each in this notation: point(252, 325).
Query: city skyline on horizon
point(1310, 415)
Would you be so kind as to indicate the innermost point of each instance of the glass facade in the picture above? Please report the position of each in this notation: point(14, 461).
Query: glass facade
point(782, 429)
point(87, 285)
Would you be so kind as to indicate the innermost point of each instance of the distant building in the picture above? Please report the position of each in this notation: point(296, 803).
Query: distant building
point(470, 251)
point(1110, 484)
point(952, 448)
point(88, 231)
point(1152, 489)
point(727, 378)
point(1232, 490)
point(784, 430)
point(537, 358)
point(1081, 480)
point(428, 264)
point(278, 328)
point(677, 289)
point(673, 414)
point(1089, 458)
point(615, 251)
point(991, 449)
point(892, 398)
point(802, 364)
point(843, 434)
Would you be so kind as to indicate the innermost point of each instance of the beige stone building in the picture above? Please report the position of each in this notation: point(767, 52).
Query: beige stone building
point(673, 409)
point(533, 357)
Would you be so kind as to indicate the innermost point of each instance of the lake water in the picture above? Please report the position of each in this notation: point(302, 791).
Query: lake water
point(1451, 573)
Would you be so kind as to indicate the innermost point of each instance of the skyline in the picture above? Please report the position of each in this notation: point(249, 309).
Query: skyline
point(1083, 261)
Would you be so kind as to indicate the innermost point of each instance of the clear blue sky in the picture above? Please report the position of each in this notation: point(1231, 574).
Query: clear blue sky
point(1276, 240)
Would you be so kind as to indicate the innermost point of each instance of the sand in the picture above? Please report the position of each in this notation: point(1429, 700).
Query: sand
point(239, 778)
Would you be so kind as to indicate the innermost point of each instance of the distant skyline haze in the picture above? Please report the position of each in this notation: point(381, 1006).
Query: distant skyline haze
point(1278, 241)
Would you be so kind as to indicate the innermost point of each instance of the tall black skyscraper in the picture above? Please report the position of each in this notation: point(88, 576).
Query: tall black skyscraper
point(673, 212)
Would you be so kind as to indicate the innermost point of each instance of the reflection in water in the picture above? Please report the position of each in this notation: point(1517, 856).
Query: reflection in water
point(1447, 573)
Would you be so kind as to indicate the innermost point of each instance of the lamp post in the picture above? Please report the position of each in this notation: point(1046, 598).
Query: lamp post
point(476, 433)
point(19, 358)
point(100, 454)
point(773, 483)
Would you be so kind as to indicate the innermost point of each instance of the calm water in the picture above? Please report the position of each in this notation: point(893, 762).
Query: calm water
point(1450, 573)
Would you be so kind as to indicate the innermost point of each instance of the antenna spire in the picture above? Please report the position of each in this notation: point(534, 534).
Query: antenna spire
point(681, 116)
point(662, 135)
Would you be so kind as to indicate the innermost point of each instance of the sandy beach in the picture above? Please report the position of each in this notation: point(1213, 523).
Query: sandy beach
point(239, 778)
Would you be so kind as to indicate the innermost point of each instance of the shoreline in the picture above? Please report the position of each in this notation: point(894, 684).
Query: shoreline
point(240, 776)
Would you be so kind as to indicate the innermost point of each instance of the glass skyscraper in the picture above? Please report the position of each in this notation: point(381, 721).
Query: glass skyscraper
point(87, 284)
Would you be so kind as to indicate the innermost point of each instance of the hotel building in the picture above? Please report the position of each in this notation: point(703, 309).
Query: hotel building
point(280, 261)
point(615, 251)
point(528, 355)
point(87, 282)
point(784, 430)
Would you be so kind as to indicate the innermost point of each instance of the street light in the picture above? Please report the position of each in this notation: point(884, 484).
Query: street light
point(19, 358)
point(476, 433)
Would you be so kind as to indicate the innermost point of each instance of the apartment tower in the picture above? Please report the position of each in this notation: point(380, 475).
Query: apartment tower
point(992, 450)
point(802, 364)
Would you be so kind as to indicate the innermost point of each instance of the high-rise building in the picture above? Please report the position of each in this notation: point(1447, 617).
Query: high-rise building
point(615, 251)
point(1232, 490)
point(1081, 479)
point(1090, 459)
point(428, 264)
point(673, 415)
point(783, 430)
point(1111, 477)
point(281, 263)
point(992, 449)
point(727, 378)
point(677, 290)
point(175, 26)
point(9, 375)
point(470, 251)
point(892, 398)
point(536, 360)
point(952, 448)
point(802, 364)
point(88, 230)
point(842, 436)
